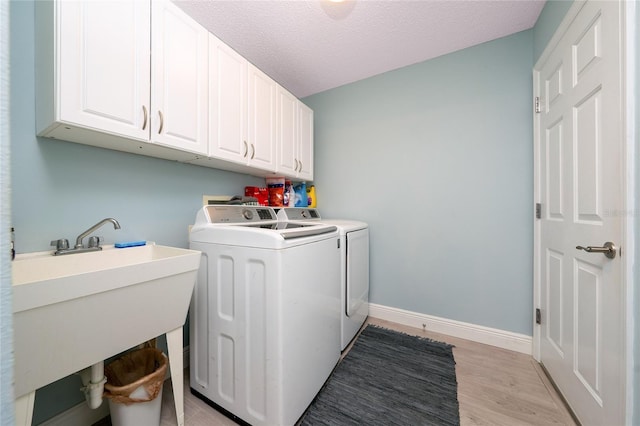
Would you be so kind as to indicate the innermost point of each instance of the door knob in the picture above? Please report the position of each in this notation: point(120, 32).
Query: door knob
point(609, 249)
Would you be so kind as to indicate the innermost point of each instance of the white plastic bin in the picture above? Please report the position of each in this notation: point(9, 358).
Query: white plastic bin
point(138, 414)
point(134, 387)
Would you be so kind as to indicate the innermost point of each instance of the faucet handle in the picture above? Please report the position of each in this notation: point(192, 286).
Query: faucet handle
point(61, 244)
point(95, 241)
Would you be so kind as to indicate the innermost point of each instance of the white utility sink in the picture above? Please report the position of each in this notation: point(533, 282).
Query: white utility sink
point(72, 311)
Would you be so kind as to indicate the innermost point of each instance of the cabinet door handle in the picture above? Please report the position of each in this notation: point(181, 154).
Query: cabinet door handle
point(161, 121)
point(246, 148)
point(253, 151)
point(300, 163)
point(144, 123)
point(295, 168)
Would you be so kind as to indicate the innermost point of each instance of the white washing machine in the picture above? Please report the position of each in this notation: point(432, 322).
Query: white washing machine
point(265, 314)
point(354, 267)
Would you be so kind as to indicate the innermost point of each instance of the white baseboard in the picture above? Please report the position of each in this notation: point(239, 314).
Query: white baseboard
point(477, 333)
point(82, 415)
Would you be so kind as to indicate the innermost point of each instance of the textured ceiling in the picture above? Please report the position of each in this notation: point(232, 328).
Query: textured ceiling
point(309, 46)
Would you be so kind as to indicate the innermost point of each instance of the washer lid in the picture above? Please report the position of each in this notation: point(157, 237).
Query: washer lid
point(261, 222)
point(309, 215)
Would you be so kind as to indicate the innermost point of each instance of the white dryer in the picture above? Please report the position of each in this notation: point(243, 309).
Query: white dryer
point(354, 267)
point(265, 314)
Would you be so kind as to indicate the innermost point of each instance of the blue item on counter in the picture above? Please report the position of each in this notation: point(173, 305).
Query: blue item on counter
point(301, 199)
point(130, 244)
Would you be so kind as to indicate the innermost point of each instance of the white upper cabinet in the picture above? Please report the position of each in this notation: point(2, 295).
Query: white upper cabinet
point(262, 120)
point(305, 142)
point(102, 68)
point(179, 79)
point(97, 85)
point(141, 76)
point(295, 137)
point(242, 109)
point(287, 133)
point(227, 103)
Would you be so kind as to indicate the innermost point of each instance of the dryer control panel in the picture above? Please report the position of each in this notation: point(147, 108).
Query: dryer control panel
point(239, 214)
point(298, 213)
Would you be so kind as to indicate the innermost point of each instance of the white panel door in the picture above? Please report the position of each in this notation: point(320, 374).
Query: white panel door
point(104, 65)
point(179, 91)
point(581, 177)
point(227, 103)
point(262, 120)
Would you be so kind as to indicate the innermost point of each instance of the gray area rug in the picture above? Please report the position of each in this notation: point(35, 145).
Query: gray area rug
point(389, 378)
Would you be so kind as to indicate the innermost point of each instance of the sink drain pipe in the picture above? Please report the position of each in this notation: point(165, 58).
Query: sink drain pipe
point(93, 379)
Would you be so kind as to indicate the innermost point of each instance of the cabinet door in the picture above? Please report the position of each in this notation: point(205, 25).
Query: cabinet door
point(305, 142)
point(103, 68)
point(287, 132)
point(227, 103)
point(179, 83)
point(262, 120)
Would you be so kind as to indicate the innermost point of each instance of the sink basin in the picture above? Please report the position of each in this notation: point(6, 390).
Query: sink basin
point(72, 311)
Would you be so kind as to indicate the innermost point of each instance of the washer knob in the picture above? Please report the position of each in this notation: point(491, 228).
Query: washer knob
point(248, 214)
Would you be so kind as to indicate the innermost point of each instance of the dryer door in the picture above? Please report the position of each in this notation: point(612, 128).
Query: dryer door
point(357, 300)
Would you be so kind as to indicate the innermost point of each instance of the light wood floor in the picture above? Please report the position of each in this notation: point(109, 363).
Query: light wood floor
point(495, 387)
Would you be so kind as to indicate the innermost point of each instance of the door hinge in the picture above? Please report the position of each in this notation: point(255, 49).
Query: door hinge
point(536, 105)
point(538, 316)
point(538, 211)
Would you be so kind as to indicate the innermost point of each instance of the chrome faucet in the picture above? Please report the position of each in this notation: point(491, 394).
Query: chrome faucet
point(79, 244)
point(62, 245)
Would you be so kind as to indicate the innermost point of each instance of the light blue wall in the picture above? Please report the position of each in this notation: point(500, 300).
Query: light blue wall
point(437, 158)
point(61, 188)
point(548, 21)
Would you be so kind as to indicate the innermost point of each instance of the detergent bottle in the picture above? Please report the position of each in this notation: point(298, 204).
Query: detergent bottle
point(311, 195)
